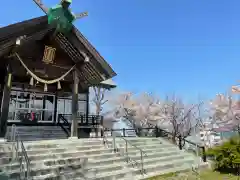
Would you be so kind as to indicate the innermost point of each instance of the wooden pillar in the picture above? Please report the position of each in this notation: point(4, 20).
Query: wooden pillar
point(55, 108)
point(74, 125)
point(44, 106)
point(5, 102)
point(87, 104)
point(87, 108)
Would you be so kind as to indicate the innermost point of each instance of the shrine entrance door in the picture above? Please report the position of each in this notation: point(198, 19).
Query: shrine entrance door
point(31, 107)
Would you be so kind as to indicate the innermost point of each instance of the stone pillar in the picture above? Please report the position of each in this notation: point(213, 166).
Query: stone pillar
point(5, 102)
point(74, 125)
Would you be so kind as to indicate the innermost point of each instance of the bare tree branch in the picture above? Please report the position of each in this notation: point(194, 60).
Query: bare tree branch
point(99, 98)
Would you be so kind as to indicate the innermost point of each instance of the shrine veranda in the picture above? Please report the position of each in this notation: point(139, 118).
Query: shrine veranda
point(45, 75)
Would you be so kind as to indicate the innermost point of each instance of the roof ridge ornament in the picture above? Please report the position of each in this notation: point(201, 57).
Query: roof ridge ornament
point(60, 16)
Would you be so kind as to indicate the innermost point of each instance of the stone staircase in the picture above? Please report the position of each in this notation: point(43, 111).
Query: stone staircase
point(68, 159)
point(36, 133)
point(89, 159)
point(160, 157)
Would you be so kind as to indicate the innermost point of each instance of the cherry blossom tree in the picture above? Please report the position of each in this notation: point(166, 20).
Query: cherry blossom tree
point(225, 112)
point(182, 118)
point(147, 111)
point(124, 106)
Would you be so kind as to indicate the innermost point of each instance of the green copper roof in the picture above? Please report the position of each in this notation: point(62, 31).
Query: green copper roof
point(69, 1)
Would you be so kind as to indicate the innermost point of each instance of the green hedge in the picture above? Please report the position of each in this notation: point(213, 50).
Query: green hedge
point(226, 157)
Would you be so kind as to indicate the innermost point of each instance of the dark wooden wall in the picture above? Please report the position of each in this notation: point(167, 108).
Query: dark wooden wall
point(32, 55)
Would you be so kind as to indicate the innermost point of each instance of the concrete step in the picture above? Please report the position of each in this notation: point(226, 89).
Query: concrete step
point(160, 166)
point(42, 138)
point(180, 168)
point(44, 170)
point(50, 176)
point(137, 143)
point(69, 160)
point(76, 171)
point(39, 152)
point(150, 149)
point(32, 138)
point(143, 146)
point(155, 160)
point(60, 153)
point(146, 146)
point(43, 149)
point(40, 131)
point(65, 142)
point(147, 140)
point(118, 174)
point(39, 138)
point(61, 160)
point(72, 145)
point(157, 154)
point(142, 140)
point(35, 133)
point(108, 168)
point(34, 127)
point(118, 166)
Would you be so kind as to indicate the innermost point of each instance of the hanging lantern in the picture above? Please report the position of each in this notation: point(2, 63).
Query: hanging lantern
point(31, 81)
point(59, 85)
point(45, 88)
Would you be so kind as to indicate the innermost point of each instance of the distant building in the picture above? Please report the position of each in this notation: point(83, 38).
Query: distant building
point(209, 137)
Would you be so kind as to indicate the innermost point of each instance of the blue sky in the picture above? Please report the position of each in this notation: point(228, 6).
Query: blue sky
point(188, 47)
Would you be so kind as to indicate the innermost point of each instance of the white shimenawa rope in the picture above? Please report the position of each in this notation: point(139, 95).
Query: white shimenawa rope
point(42, 80)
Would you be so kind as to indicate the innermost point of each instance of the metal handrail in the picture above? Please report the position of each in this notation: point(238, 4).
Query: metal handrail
point(67, 131)
point(64, 120)
point(105, 141)
point(128, 158)
point(19, 153)
point(204, 156)
point(86, 119)
point(141, 152)
point(179, 141)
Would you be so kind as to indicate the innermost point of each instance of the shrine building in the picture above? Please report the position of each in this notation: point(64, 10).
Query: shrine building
point(46, 76)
